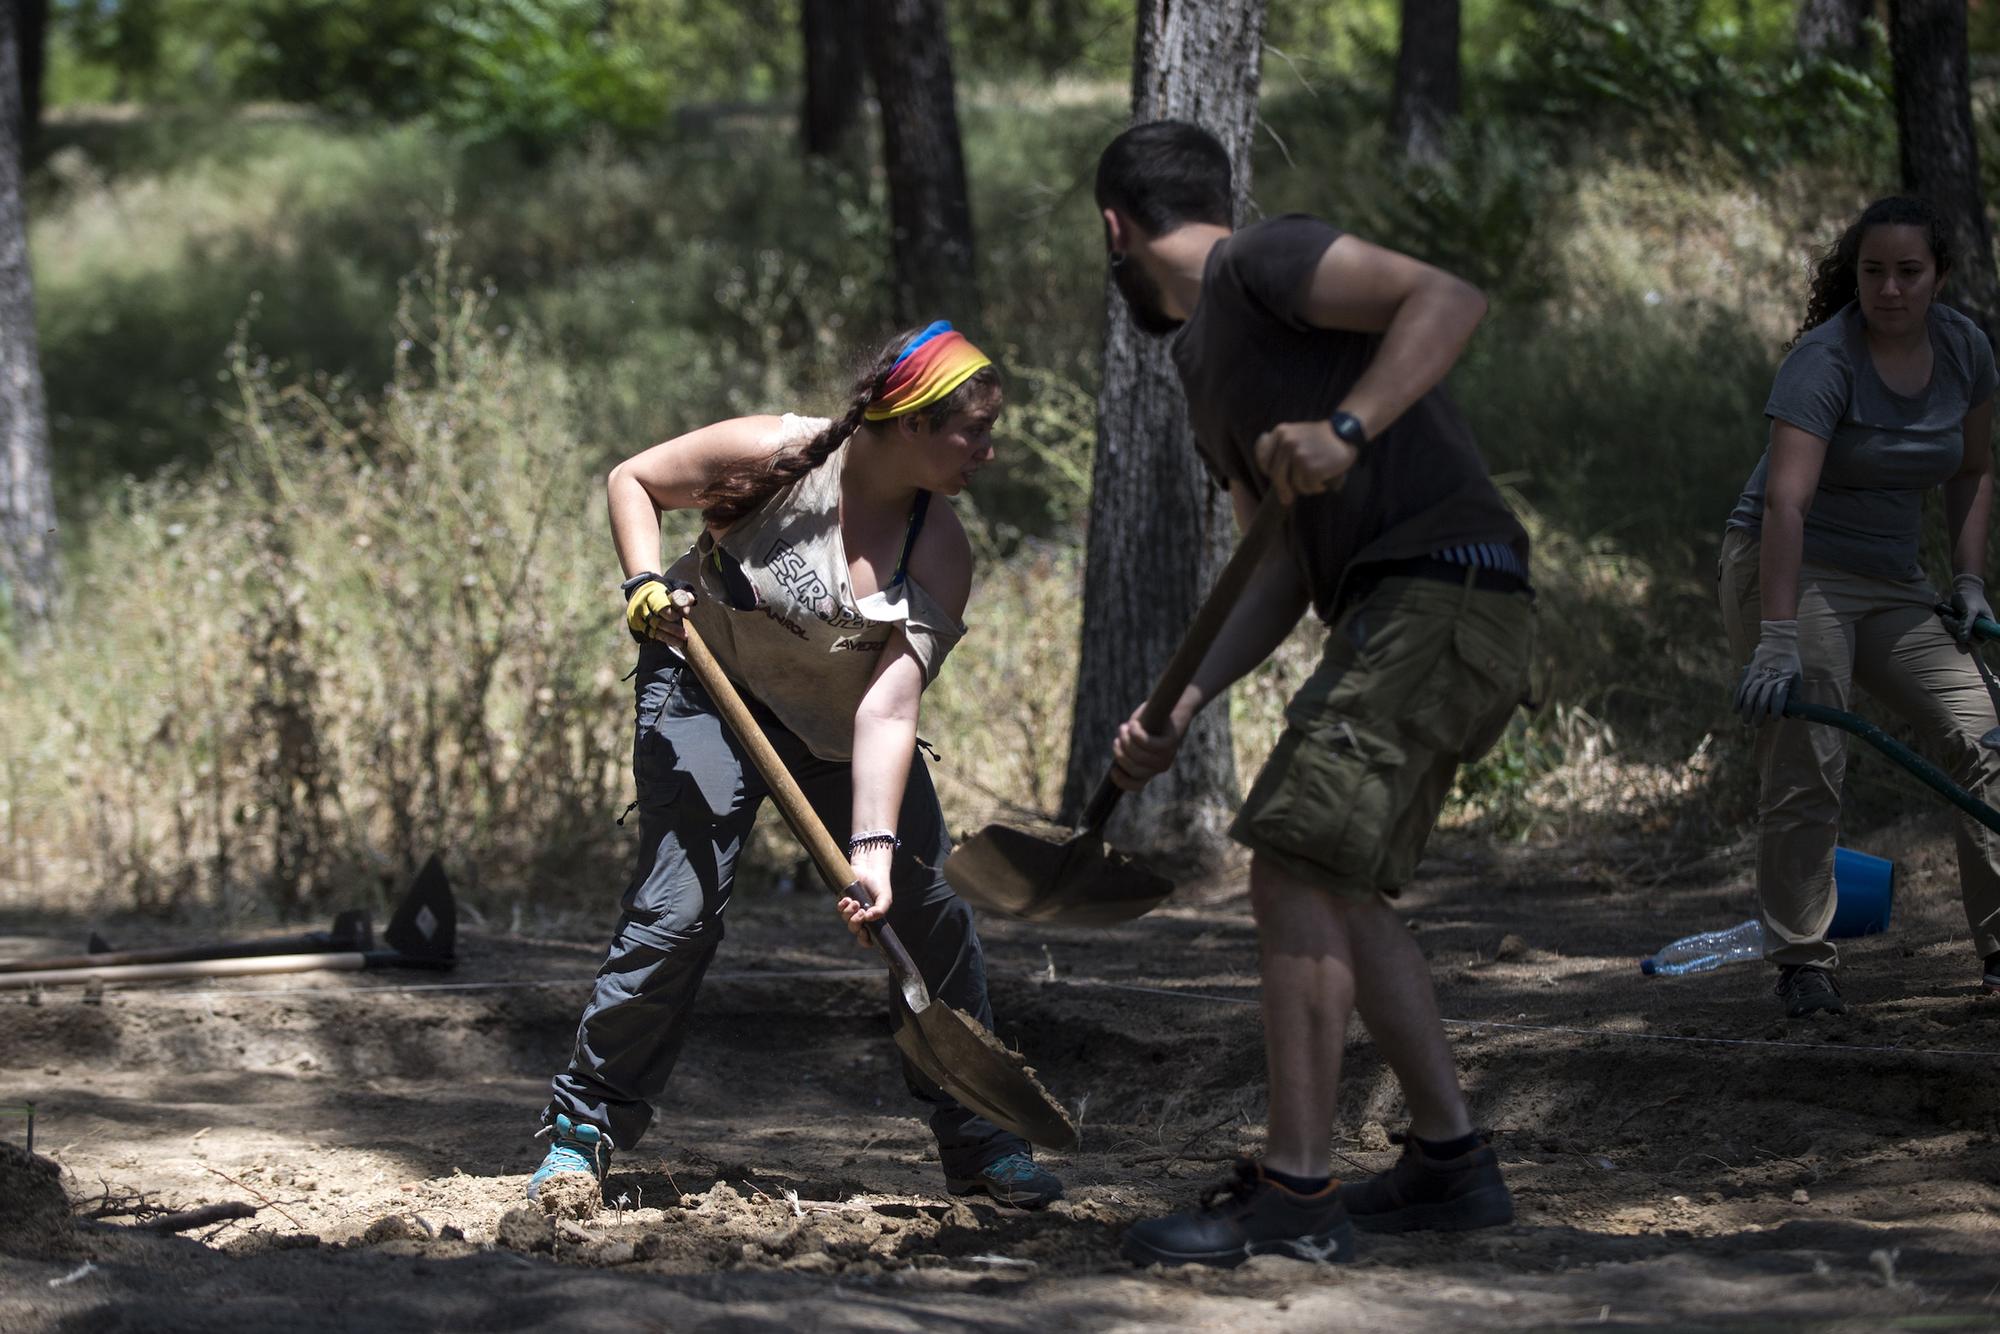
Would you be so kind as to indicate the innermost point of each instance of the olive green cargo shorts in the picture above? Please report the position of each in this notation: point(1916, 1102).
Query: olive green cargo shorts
point(1419, 676)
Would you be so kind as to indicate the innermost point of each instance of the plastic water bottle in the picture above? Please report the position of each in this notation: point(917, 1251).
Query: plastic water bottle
point(1709, 949)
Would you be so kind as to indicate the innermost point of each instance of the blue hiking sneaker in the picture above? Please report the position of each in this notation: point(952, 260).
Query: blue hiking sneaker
point(574, 1146)
point(1011, 1180)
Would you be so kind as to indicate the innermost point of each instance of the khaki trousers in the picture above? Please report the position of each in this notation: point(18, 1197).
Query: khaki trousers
point(1885, 635)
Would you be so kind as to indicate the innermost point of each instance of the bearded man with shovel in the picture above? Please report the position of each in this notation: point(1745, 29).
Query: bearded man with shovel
point(1312, 362)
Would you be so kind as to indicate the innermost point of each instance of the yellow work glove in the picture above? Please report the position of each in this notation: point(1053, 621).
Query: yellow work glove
point(653, 608)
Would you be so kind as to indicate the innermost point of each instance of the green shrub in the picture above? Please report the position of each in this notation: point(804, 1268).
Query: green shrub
point(535, 73)
point(1684, 82)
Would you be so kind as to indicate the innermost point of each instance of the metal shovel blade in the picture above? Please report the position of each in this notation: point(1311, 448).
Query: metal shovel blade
point(1059, 876)
point(955, 1052)
point(951, 1049)
point(1069, 876)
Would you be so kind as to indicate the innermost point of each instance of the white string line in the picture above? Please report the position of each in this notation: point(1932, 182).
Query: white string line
point(764, 975)
point(286, 993)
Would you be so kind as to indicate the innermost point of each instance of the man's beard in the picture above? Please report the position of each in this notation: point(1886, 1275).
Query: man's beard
point(1142, 298)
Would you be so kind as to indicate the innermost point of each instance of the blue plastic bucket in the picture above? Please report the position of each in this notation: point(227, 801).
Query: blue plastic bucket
point(1864, 889)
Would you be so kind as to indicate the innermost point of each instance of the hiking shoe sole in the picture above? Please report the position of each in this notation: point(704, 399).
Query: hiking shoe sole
point(1015, 1180)
point(1489, 1206)
point(1335, 1248)
point(1021, 1197)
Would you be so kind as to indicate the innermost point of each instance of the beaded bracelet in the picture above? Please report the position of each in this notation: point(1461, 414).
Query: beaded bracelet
point(872, 837)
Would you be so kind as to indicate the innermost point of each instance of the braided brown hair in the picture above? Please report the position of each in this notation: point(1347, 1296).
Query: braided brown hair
point(1834, 283)
point(742, 487)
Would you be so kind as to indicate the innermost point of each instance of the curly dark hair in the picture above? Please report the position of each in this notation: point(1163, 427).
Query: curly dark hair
point(1833, 282)
point(742, 487)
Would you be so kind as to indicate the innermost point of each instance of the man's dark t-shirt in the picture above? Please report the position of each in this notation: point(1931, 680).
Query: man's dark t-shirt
point(1248, 360)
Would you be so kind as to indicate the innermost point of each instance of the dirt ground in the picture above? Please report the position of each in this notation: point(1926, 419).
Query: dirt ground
point(1681, 1157)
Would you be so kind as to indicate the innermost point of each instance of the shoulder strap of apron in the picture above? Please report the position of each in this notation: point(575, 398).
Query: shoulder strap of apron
point(917, 512)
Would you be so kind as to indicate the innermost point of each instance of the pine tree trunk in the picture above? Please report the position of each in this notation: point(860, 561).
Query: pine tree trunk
point(1159, 530)
point(1425, 98)
point(27, 504)
point(835, 68)
point(1835, 30)
point(1940, 154)
point(930, 213)
point(31, 45)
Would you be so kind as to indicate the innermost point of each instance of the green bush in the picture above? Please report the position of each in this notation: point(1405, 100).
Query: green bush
point(543, 71)
point(534, 72)
point(1684, 83)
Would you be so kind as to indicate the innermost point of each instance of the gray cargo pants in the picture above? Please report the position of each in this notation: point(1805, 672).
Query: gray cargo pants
point(698, 794)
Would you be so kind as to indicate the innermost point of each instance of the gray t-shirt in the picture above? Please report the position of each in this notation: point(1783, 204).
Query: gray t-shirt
point(1883, 449)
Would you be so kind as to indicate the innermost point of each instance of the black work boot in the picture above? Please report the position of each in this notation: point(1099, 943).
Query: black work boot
point(1990, 983)
point(1806, 990)
point(1422, 1193)
point(1247, 1215)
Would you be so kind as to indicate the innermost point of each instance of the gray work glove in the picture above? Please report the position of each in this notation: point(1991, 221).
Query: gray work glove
point(1773, 671)
point(1968, 604)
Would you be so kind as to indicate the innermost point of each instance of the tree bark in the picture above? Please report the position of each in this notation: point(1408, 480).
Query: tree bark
point(1835, 30)
point(1425, 98)
point(31, 40)
point(1940, 153)
point(1159, 529)
point(930, 212)
point(27, 502)
point(835, 68)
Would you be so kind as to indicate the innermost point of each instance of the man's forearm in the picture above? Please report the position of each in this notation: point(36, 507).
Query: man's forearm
point(1418, 350)
point(1260, 621)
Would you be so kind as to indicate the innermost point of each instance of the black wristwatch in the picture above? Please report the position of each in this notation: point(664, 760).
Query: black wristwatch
point(1349, 428)
point(639, 581)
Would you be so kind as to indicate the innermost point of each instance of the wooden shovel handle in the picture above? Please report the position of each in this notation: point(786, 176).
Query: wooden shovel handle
point(1215, 609)
point(798, 812)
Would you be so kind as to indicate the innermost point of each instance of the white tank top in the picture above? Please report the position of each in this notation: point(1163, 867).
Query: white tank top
point(774, 602)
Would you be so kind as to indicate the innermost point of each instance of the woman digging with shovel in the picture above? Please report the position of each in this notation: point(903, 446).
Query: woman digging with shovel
point(1885, 395)
point(828, 587)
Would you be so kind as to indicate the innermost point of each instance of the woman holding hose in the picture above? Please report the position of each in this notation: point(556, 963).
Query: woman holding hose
point(829, 586)
point(1886, 394)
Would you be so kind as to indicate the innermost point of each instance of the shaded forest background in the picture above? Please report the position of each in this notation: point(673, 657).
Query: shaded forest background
point(346, 308)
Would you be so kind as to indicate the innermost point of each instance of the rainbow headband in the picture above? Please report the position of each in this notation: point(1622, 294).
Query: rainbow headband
point(937, 361)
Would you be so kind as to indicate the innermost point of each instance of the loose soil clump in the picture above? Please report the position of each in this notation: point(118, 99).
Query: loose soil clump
point(35, 1217)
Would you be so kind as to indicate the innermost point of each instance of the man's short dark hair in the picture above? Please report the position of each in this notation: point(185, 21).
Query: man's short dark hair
point(1164, 174)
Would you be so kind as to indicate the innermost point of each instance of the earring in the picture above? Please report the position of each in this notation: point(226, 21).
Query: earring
point(1117, 258)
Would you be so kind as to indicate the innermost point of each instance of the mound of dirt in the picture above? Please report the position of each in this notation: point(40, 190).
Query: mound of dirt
point(524, 1230)
point(35, 1218)
point(571, 1195)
